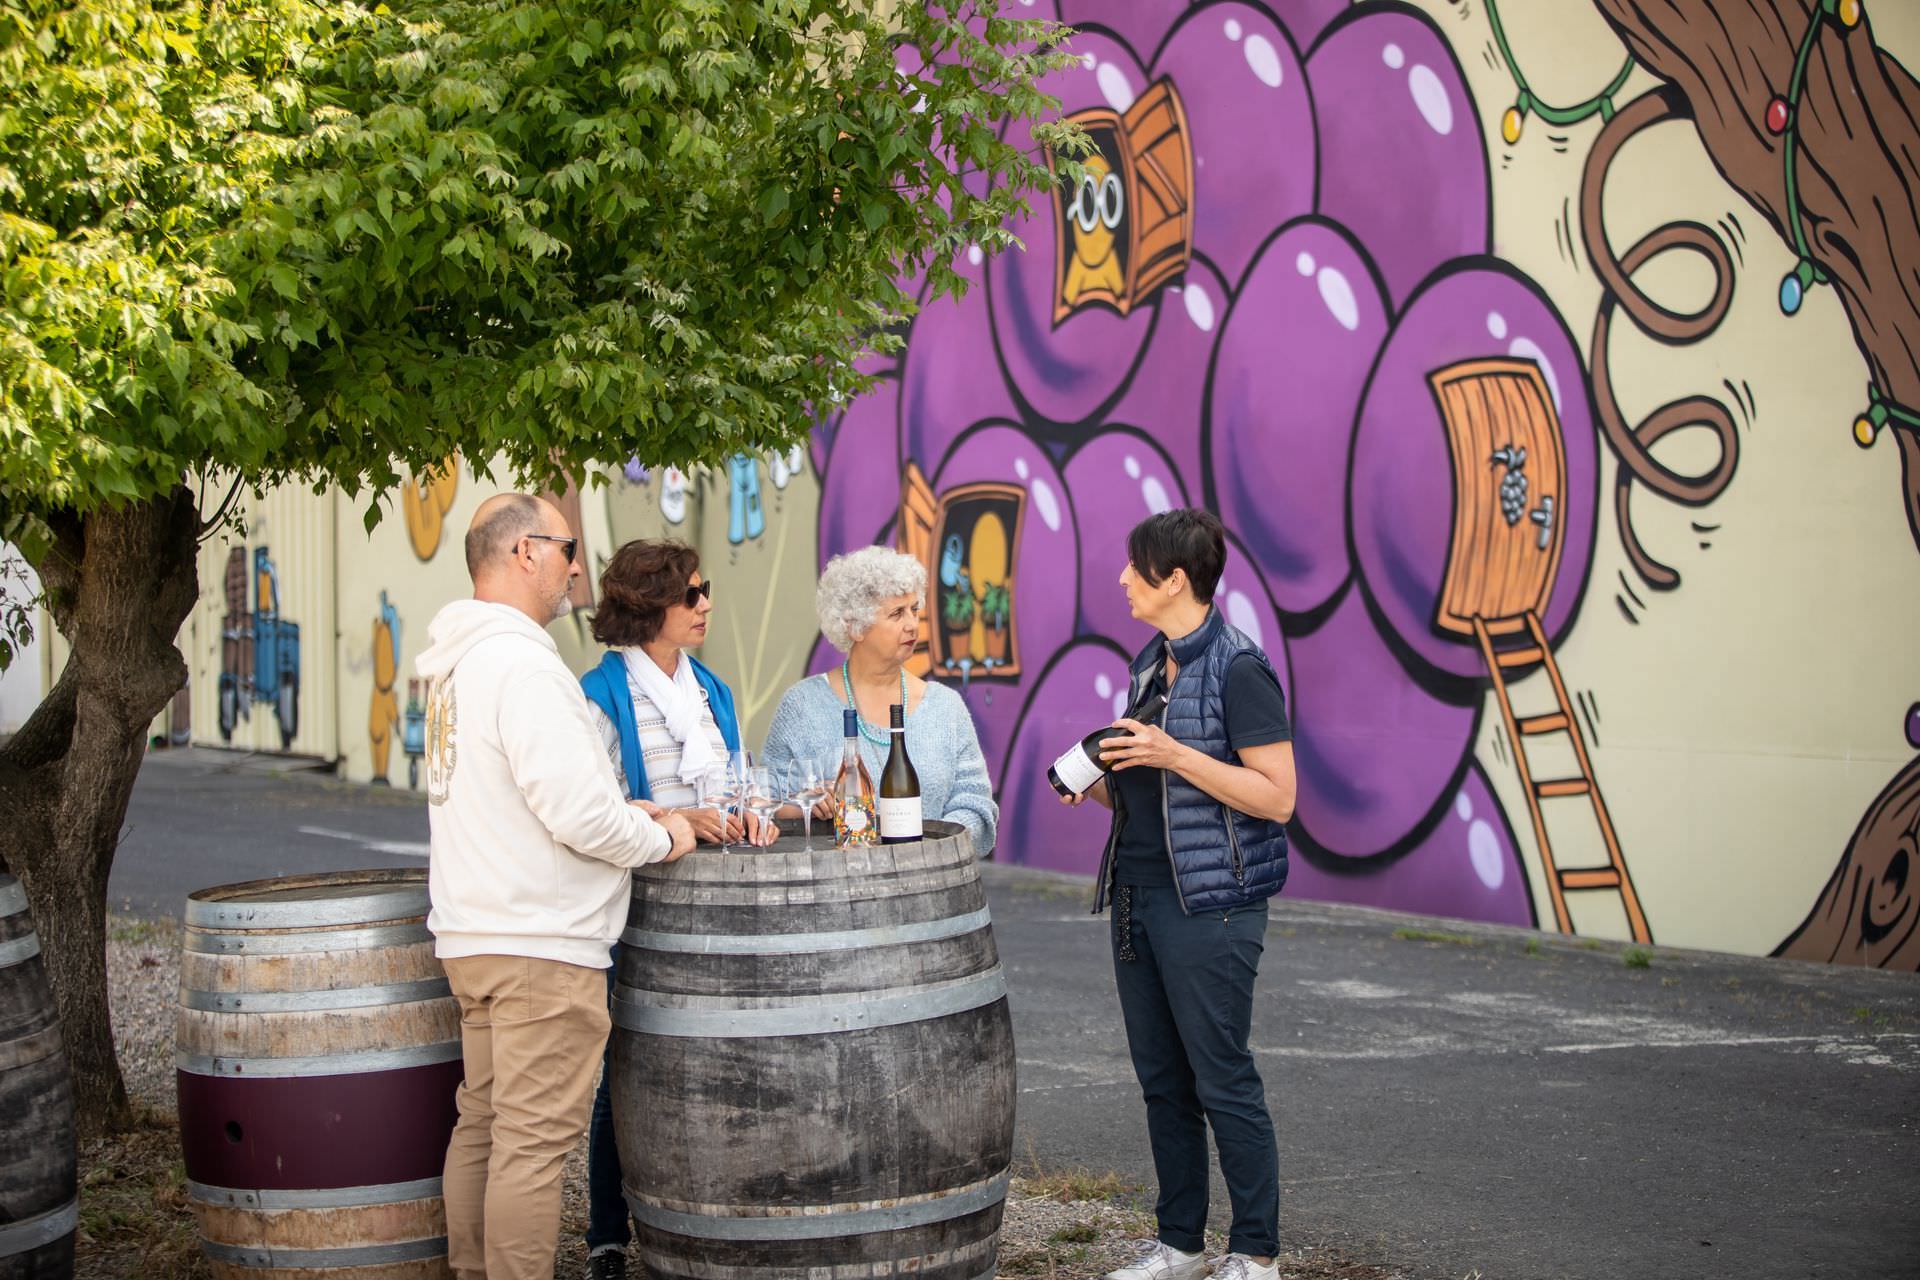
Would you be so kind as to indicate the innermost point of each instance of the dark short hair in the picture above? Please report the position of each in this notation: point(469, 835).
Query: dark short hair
point(644, 579)
point(1188, 538)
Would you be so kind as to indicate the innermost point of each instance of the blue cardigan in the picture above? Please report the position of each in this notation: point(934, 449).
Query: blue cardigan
point(606, 687)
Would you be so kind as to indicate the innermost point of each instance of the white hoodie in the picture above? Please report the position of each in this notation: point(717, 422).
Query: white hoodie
point(530, 840)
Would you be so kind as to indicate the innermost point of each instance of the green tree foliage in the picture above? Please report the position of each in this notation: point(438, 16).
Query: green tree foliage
point(245, 242)
point(329, 243)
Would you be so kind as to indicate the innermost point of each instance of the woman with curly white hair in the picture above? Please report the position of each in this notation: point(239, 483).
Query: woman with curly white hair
point(869, 603)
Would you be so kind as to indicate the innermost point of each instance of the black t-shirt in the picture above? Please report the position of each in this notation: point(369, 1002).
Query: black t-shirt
point(1256, 717)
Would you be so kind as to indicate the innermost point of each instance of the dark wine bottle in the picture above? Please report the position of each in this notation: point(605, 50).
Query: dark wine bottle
point(1076, 771)
point(900, 821)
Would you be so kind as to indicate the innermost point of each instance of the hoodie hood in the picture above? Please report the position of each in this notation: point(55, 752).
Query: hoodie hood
point(456, 629)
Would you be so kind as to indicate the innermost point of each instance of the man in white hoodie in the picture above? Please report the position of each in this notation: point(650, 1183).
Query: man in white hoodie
point(531, 846)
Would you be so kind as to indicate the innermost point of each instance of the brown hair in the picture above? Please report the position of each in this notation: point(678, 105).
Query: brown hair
point(644, 579)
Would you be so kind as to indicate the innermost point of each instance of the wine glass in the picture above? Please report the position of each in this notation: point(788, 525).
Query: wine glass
point(806, 787)
point(717, 790)
point(762, 794)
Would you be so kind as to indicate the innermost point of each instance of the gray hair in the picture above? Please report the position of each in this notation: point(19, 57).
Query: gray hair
point(855, 585)
point(515, 515)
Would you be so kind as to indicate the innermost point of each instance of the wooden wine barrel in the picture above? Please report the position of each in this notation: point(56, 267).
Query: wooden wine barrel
point(318, 1053)
point(813, 1069)
point(38, 1211)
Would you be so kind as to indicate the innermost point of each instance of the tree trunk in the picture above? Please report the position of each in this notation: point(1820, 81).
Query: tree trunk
point(1857, 164)
point(120, 582)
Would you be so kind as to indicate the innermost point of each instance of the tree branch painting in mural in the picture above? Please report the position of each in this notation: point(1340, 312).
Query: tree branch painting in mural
point(1819, 129)
point(1633, 445)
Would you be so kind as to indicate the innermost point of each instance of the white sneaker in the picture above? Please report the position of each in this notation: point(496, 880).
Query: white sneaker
point(1163, 1262)
point(1238, 1266)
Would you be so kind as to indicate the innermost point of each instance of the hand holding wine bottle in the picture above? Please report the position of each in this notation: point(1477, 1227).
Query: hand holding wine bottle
point(1088, 762)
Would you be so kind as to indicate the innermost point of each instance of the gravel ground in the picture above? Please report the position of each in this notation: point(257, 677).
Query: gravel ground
point(1059, 1223)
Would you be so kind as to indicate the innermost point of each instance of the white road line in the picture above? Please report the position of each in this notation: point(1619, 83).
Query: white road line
point(1838, 1043)
point(396, 848)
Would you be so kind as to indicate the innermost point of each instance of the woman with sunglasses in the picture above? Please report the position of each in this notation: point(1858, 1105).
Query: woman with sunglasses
point(666, 720)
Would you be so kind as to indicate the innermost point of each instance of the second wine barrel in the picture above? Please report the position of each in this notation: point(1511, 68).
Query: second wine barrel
point(813, 1065)
point(318, 1053)
point(38, 1209)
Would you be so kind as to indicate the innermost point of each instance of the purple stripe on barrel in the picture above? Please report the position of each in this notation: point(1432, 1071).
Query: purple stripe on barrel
point(298, 1133)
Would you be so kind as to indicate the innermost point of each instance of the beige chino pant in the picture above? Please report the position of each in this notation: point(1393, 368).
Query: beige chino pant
point(531, 1037)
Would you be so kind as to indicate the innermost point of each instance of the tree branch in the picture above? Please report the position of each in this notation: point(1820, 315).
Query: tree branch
point(1857, 168)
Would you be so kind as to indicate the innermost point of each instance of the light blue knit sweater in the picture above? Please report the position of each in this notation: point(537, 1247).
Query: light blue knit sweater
point(940, 739)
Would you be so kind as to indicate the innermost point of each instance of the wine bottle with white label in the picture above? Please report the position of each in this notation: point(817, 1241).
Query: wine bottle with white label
point(1075, 772)
point(899, 787)
point(853, 824)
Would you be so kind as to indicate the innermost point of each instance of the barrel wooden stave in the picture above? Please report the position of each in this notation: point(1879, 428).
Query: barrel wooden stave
point(38, 1180)
point(317, 1075)
point(903, 1130)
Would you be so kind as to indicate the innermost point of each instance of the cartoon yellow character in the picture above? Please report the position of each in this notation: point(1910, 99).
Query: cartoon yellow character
point(1095, 269)
point(384, 714)
point(425, 501)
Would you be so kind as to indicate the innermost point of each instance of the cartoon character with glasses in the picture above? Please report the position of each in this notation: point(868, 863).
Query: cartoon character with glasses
point(1095, 267)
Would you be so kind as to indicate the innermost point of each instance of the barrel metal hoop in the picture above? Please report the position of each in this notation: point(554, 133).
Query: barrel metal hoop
point(811, 1019)
point(815, 1224)
point(303, 1001)
point(41, 1229)
point(31, 1048)
point(282, 944)
point(19, 950)
point(366, 909)
point(367, 1255)
point(786, 944)
point(13, 897)
point(318, 1198)
point(338, 1064)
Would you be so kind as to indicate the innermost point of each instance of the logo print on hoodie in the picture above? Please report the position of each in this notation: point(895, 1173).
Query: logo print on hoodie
point(442, 717)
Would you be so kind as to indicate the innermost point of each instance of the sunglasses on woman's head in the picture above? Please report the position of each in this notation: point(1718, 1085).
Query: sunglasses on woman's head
point(694, 593)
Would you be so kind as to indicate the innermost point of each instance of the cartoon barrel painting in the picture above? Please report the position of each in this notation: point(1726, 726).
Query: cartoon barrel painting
point(1127, 228)
point(318, 1055)
point(1509, 525)
point(1509, 477)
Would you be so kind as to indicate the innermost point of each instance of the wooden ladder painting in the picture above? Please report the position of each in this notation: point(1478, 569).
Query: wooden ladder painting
point(1509, 528)
point(1560, 881)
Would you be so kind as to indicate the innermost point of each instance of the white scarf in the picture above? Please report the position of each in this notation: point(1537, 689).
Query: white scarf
point(679, 698)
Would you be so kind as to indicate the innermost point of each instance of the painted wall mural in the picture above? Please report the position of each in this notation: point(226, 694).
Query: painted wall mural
point(1291, 288)
point(1554, 380)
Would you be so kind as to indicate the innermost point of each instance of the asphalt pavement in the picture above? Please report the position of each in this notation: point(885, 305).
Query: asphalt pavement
point(1452, 1099)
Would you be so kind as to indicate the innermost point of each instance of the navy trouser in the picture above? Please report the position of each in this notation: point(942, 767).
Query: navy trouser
point(1187, 996)
point(606, 1202)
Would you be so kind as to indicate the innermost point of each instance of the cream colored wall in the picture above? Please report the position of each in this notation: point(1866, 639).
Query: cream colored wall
point(1749, 717)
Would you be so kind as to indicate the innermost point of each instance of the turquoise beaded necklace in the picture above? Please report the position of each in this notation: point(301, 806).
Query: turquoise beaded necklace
point(877, 738)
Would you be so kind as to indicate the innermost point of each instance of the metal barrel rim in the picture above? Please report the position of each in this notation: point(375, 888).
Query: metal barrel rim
point(396, 894)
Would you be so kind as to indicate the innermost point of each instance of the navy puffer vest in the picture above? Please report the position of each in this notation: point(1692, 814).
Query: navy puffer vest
point(1221, 858)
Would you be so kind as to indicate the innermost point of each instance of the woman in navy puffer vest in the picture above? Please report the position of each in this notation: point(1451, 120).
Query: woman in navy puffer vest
point(1197, 847)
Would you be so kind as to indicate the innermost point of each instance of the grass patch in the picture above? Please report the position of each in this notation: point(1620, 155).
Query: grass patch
point(135, 1219)
point(141, 933)
point(1636, 958)
point(1073, 1186)
point(1533, 946)
point(1435, 935)
point(1080, 1233)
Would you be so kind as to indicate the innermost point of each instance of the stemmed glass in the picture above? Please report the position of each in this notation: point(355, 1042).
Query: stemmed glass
point(719, 790)
point(806, 787)
point(762, 796)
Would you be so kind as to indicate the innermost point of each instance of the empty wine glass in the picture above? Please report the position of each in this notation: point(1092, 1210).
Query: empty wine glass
point(718, 790)
point(762, 796)
point(806, 787)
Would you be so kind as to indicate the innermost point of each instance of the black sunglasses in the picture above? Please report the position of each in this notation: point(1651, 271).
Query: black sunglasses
point(569, 545)
point(694, 593)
